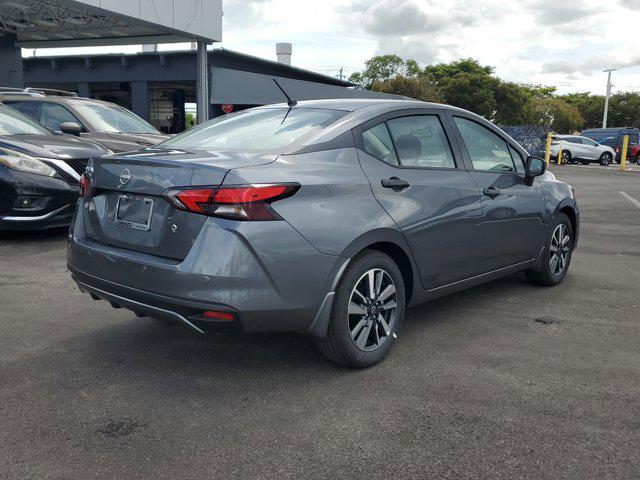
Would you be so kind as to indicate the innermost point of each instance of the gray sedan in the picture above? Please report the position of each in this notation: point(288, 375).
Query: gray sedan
point(326, 217)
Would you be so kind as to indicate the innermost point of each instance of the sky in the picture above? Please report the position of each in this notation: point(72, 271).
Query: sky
point(562, 43)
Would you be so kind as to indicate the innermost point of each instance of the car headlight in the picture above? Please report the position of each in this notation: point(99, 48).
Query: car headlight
point(26, 163)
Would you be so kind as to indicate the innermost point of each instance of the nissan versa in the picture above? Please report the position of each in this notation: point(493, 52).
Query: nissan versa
point(328, 217)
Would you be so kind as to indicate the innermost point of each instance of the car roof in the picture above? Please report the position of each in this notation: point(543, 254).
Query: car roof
point(353, 104)
point(51, 98)
point(609, 130)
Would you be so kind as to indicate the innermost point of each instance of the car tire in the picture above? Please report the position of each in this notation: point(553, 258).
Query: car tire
point(566, 157)
point(357, 336)
point(605, 159)
point(557, 254)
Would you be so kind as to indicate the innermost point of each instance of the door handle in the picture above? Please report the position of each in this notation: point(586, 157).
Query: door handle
point(491, 192)
point(395, 183)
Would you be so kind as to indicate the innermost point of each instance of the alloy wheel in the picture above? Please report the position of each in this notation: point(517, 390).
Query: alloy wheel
point(372, 310)
point(559, 249)
point(566, 156)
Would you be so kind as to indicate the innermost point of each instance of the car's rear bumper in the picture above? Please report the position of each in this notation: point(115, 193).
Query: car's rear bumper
point(269, 281)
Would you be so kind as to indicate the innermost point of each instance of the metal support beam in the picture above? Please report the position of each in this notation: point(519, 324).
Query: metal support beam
point(202, 84)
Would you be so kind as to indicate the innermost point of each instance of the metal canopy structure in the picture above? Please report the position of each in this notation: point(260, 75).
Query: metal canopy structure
point(70, 23)
point(82, 23)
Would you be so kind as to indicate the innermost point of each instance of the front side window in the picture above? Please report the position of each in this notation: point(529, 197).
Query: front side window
point(517, 160)
point(53, 115)
point(377, 143)
point(488, 152)
point(107, 118)
point(421, 142)
point(13, 122)
point(264, 129)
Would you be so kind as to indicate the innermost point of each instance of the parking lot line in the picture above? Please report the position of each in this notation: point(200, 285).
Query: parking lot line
point(630, 198)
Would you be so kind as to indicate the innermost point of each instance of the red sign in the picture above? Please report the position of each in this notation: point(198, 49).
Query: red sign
point(227, 107)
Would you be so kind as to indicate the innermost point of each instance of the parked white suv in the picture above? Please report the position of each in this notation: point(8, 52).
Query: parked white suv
point(581, 149)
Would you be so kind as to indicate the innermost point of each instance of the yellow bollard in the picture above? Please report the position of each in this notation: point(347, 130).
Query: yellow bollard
point(547, 152)
point(623, 154)
point(559, 153)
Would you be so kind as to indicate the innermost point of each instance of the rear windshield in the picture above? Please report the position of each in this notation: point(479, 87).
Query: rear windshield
point(265, 129)
point(113, 119)
point(13, 122)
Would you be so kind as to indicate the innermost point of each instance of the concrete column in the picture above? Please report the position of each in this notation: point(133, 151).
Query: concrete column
point(11, 61)
point(140, 99)
point(84, 90)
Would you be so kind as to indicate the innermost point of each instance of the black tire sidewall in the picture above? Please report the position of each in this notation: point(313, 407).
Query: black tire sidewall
point(339, 324)
point(605, 160)
point(545, 270)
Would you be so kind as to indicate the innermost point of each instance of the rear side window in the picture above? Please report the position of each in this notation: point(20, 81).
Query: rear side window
point(488, 152)
point(421, 142)
point(28, 108)
point(377, 143)
point(52, 115)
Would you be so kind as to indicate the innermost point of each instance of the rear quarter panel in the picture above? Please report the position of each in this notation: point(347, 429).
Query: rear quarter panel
point(334, 206)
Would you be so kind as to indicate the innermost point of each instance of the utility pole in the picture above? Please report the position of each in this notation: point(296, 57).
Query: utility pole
point(341, 75)
point(606, 99)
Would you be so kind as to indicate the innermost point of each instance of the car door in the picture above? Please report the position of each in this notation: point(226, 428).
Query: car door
point(589, 147)
point(513, 213)
point(420, 180)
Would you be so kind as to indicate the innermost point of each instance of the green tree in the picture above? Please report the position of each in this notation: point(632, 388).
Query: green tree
point(554, 113)
point(511, 103)
point(624, 110)
point(443, 71)
point(590, 107)
point(383, 68)
point(420, 88)
point(470, 91)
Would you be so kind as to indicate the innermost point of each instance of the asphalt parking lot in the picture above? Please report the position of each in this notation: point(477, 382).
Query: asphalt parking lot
point(507, 380)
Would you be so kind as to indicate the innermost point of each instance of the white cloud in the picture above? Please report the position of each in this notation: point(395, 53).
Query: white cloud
point(553, 42)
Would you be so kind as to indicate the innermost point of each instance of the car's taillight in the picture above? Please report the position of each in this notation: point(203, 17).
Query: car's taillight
point(238, 202)
point(617, 148)
point(84, 185)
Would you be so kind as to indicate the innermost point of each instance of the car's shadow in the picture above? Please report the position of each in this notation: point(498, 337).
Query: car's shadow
point(153, 346)
point(52, 235)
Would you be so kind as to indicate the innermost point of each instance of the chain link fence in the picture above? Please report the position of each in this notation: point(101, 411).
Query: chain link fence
point(532, 139)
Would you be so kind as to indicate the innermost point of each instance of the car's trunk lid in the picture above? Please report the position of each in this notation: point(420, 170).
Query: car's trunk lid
point(128, 210)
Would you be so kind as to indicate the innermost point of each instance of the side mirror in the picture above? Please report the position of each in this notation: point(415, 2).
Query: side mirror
point(534, 167)
point(72, 128)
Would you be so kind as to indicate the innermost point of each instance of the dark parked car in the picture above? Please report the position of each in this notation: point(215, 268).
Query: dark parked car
point(329, 217)
point(39, 173)
point(113, 126)
point(613, 137)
